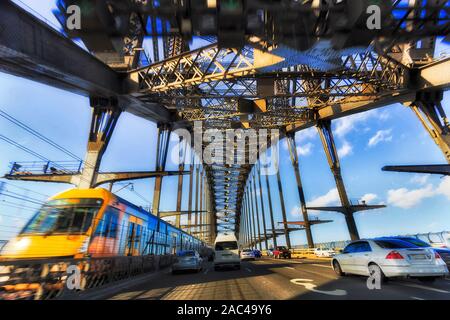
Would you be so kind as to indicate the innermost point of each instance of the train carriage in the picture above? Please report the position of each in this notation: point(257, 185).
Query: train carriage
point(95, 223)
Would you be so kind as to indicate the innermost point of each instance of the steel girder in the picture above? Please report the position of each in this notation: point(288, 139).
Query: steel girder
point(207, 84)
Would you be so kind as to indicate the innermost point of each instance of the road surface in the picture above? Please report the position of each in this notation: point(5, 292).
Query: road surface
point(269, 279)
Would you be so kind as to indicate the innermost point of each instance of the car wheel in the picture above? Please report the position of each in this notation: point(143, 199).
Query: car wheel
point(427, 279)
point(374, 268)
point(337, 269)
point(174, 272)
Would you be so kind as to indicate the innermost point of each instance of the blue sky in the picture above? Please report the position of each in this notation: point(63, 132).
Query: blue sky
point(367, 142)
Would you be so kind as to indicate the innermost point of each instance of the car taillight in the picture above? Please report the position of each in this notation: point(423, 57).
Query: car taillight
point(394, 255)
point(437, 256)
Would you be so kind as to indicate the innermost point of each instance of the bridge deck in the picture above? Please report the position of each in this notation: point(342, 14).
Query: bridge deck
point(270, 279)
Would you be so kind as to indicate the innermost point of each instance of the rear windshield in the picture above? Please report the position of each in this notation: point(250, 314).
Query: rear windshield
point(226, 245)
point(246, 250)
point(394, 244)
point(417, 242)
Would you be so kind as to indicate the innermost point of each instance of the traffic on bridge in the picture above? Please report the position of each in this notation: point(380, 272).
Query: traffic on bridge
point(226, 150)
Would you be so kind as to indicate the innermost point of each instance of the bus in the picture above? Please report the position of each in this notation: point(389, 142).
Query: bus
point(80, 223)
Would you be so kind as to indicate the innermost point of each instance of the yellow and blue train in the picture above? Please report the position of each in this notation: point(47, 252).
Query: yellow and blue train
point(95, 223)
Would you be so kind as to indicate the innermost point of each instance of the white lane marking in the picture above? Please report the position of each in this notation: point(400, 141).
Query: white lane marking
point(413, 285)
point(291, 268)
point(312, 287)
point(417, 298)
point(248, 269)
point(322, 265)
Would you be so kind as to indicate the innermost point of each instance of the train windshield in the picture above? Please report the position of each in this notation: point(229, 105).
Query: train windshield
point(71, 216)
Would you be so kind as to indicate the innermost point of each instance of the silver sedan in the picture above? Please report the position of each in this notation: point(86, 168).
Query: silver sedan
point(389, 258)
point(188, 260)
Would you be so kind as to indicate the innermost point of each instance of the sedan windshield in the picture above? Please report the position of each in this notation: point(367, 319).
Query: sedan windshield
point(71, 216)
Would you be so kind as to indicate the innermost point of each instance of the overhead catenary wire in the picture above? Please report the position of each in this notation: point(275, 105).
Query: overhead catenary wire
point(17, 206)
point(23, 199)
point(22, 147)
point(9, 184)
point(38, 135)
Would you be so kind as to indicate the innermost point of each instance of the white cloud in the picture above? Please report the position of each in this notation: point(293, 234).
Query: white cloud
point(306, 134)
point(420, 179)
point(305, 150)
point(444, 187)
point(368, 198)
point(380, 136)
point(345, 150)
point(330, 198)
point(405, 198)
point(295, 211)
point(347, 124)
point(384, 115)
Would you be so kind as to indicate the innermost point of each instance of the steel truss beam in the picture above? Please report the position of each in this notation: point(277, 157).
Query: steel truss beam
point(441, 169)
point(348, 209)
point(429, 110)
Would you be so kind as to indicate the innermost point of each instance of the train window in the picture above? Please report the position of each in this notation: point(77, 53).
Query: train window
point(108, 225)
point(72, 216)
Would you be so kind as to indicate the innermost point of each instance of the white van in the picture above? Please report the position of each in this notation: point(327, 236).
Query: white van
point(226, 250)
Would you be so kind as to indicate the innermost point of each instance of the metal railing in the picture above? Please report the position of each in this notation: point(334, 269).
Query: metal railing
point(434, 238)
point(52, 278)
point(45, 167)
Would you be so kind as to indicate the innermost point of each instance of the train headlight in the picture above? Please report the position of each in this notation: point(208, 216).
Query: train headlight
point(84, 246)
point(4, 273)
point(21, 244)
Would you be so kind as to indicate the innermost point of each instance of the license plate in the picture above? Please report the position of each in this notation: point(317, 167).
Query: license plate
point(418, 256)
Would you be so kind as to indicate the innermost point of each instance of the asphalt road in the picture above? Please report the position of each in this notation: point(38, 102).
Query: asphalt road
point(269, 279)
